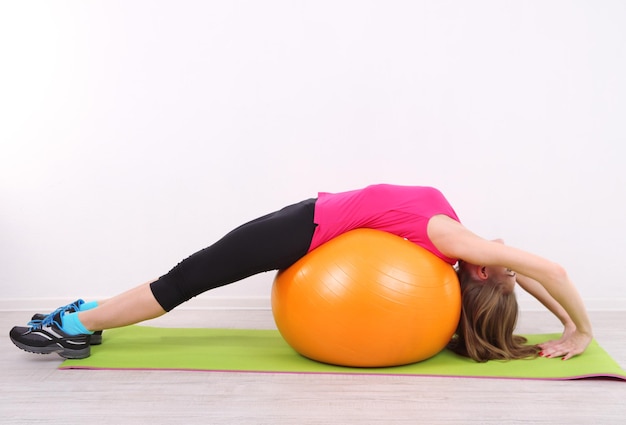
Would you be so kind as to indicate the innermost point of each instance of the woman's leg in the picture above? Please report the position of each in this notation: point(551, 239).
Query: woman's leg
point(133, 306)
point(271, 242)
point(274, 241)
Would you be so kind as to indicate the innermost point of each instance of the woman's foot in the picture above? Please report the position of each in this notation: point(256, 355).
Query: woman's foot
point(47, 336)
point(96, 337)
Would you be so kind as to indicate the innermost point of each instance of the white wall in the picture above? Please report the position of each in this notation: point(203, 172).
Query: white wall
point(134, 133)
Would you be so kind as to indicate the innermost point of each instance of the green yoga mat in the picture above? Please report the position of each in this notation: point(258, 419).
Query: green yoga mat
point(242, 350)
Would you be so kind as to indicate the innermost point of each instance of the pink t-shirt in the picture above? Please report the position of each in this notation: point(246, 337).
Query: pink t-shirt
point(401, 210)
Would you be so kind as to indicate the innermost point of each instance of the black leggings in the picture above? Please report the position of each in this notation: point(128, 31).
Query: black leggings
point(274, 241)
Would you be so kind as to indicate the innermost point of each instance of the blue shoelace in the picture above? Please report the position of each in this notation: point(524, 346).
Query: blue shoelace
point(49, 319)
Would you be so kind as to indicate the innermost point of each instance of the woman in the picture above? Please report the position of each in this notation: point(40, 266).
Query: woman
point(277, 240)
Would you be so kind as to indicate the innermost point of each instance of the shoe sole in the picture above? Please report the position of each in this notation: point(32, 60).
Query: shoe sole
point(95, 338)
point(61, 351)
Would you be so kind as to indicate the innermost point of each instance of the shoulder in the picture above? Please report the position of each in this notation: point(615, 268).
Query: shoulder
point(453, 239)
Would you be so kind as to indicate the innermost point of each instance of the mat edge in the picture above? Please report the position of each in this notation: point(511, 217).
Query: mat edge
point(608, 376)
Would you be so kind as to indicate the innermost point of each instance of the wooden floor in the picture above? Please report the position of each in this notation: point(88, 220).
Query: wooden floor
point(33, 391)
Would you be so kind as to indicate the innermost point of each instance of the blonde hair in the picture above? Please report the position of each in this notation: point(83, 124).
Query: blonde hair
point(488, 319)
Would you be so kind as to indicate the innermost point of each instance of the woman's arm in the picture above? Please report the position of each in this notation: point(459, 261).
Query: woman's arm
point(537, 290)
point(455, 241)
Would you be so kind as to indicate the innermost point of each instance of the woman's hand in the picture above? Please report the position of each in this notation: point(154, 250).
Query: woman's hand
point(569, 345)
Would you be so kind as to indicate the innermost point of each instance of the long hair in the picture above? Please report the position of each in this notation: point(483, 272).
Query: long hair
point(488, 319)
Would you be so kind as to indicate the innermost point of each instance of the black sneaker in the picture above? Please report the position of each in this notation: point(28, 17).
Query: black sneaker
point(96, 337)
point(46, 336)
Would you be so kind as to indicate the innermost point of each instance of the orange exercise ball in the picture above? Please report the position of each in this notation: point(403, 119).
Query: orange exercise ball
point(367, 299)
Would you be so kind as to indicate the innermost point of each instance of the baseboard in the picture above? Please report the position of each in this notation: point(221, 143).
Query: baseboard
point(199, 303)
point(263, 303)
